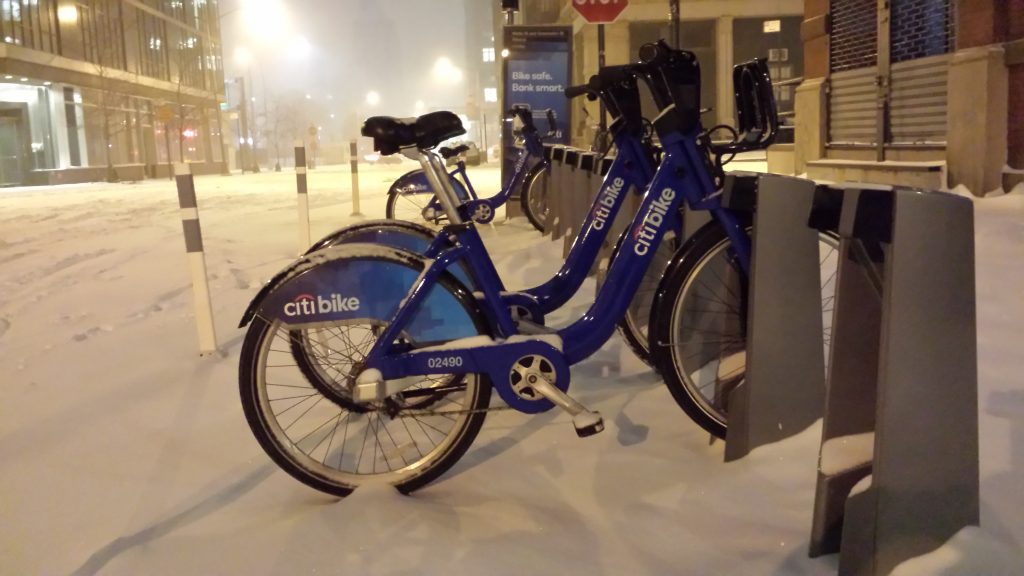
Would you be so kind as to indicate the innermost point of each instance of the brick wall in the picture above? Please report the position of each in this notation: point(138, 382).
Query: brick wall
point(1015, 123)
point(985, 22)
point(815, 40)
point(979, 23)
point(1015, 119)
point(1015, 19)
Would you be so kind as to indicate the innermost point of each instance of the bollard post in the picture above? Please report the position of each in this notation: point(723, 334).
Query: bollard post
point(353, 153)
point(196, 257)
point(303, 196)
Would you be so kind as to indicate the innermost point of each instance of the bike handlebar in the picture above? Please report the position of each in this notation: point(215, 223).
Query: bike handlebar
point(577, 91)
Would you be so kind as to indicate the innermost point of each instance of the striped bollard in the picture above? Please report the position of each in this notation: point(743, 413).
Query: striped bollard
point(354, 162)
point(196, 257)
point(301, 189)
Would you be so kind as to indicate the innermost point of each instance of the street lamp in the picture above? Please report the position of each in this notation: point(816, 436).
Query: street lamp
point(300, 48)
point(445, 72)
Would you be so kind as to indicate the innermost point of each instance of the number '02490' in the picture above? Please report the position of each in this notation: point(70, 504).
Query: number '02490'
point(445, 362)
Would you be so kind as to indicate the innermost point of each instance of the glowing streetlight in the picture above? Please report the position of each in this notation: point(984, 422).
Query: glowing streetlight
point(67, 14)
point(445, 72)
point(243, 56)
point(372, 98)
point(300, 48)
point(265, 19)
point(504, 52)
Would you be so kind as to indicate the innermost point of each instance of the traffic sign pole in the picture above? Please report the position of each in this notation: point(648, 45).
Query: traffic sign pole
point(600, 12)
point(603, 123)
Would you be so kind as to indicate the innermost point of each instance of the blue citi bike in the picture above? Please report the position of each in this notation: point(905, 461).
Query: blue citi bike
point(411, 197)
point(419, 350)
point(632, 169)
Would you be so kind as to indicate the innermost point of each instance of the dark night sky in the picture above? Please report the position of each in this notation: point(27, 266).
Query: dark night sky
point(389, 46)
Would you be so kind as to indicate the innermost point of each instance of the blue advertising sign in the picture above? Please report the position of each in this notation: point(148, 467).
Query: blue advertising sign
point(537, 71)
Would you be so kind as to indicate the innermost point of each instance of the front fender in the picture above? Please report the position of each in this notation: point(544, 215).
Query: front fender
point(357, 282)
point(406, 236)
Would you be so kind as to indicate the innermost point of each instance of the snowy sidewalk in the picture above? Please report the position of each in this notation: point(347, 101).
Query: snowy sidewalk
point(125, 453)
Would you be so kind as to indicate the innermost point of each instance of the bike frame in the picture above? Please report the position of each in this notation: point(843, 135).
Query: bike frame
point(681, 176)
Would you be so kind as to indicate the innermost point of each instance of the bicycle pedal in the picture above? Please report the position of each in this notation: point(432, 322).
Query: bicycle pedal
point(588, 423)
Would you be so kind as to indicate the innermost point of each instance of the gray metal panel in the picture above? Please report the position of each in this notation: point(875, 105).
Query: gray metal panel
point(926, 441)
point(853, 106)
point(784, 389)
point(918, 103)
point(852, 383)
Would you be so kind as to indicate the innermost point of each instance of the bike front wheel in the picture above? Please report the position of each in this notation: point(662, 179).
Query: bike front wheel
point(698, 324)
point(313, 428)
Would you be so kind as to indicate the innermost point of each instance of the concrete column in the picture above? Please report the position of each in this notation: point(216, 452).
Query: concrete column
point(725, 60)
point(811, 128)
point(976, 142)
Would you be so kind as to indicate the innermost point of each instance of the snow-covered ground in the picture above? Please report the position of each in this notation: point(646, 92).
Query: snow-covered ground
point(124, 452)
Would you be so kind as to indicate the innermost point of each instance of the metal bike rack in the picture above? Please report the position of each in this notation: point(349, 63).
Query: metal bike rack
point(898, 470)
point(556, 185)
point(784, 389)
point(581, 199)
point(566, 192)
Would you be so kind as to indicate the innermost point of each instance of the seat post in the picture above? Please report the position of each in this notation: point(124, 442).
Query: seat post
point(436, 174)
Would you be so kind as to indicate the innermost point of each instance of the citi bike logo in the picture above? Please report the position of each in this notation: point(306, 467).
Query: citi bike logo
point(307, 305)
point(604, 205)
point(647, 229)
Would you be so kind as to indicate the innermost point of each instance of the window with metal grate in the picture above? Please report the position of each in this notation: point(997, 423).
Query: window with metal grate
point(854, 34)
point(922, 28)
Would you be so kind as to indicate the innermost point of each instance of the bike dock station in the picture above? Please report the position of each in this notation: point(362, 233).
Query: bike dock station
point(784, 388)
point(898, 470)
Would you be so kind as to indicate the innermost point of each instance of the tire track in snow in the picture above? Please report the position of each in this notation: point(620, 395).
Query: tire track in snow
point(61, 265)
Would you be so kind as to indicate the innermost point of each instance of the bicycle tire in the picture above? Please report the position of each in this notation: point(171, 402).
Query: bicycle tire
point(634, 325)
point(533, 197)
point(395, 198)
point(686, 355)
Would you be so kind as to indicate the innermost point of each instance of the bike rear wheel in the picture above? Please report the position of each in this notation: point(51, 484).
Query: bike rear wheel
point(700, 324)
point(533, 198)
point(418, 207)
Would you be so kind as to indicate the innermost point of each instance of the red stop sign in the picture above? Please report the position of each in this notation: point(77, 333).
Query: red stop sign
point(600, 11)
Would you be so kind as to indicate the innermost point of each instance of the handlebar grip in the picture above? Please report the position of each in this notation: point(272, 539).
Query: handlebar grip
point(654, 52)
point(576, 91)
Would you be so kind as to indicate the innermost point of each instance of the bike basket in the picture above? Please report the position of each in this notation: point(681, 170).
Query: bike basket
point(675, 85)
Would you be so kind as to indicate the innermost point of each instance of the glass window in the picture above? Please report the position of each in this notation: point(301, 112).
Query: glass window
point(30, 23)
